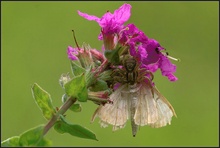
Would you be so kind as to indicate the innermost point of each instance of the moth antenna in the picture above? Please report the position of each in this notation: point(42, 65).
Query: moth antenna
point(75, 40)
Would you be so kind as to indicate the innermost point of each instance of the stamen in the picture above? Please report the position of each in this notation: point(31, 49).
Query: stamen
point(119, 35)
point(172, 58)
point(126, 28)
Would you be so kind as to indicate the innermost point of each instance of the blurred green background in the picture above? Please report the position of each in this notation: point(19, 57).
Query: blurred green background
point(35, 36)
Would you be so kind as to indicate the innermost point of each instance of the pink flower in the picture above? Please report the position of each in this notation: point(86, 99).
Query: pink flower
point(146, 51)
point(156, 59)
point(135, 38)
point(111, 24)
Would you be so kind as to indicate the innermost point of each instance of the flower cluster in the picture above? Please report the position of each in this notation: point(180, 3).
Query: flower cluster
point(148, 52)
point(120, 40)
point(119, 79)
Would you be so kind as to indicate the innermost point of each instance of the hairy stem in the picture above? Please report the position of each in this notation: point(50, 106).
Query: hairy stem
point(61, 111)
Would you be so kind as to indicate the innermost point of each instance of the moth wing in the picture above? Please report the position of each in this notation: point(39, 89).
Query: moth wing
point(115, 114)
point(146, 109)
point(155, 111)
point(165, 110)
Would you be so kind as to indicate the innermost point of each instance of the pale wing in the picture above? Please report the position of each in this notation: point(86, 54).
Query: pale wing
point(146, 111)
point(115, 114)
point(165, 110)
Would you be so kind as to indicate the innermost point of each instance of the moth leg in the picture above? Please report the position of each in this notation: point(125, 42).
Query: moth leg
point(143, 72)
point(144, 75)
point(117, 72)
point(151, 75)
point(118, 76)
point(118, 79)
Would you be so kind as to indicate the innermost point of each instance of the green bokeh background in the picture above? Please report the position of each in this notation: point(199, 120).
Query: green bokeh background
point(35, 36)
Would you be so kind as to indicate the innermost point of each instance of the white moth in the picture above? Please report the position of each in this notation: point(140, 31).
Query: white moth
point(140, 102)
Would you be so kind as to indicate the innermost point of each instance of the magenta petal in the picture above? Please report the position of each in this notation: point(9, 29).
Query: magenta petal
point(142, 52)
point(150, 47)
point(167, 68)
point(106, 20)
point(152, 67)
point(132, 29)
point(171, 77)
point(100, 37)
point(123, 13)
point(132, 49)
point(72, 53)
point(89, 17)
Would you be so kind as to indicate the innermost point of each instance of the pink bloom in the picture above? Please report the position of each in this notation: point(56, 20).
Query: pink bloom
point(110, 23)
point(156, 59)
point(135, 39)
point(146, 51)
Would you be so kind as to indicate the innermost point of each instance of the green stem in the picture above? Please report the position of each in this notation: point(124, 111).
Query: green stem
point(61, 111)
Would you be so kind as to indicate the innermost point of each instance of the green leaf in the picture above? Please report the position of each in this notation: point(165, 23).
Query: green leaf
point(63, 126)
point(77, 69)
point(43, 101)
point(44, 142)
point(76, 108)
point(34, 137)
point(13, 141)
point(113, 56)
point(100, 85)
point(76, 88)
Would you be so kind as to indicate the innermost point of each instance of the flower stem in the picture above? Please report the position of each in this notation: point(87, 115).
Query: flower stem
point(61, 111)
